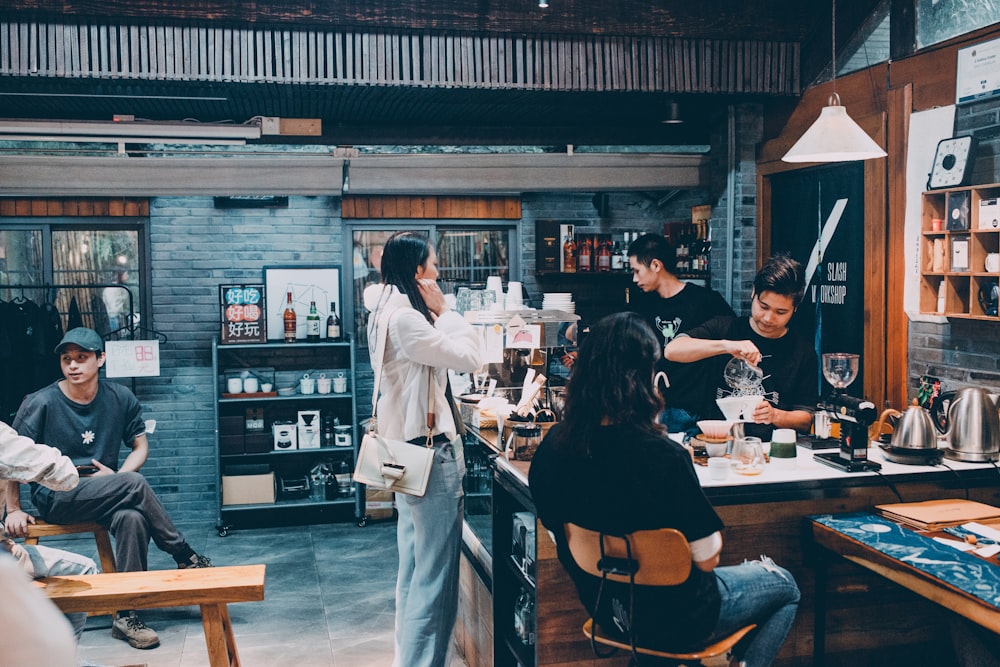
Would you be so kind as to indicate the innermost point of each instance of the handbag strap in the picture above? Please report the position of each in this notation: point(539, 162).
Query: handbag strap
point(380, 344)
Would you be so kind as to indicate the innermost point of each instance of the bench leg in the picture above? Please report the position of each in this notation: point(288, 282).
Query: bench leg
point(219, 636)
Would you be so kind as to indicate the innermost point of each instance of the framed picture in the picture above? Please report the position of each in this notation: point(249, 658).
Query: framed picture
point(306, 283)
point(243, 310)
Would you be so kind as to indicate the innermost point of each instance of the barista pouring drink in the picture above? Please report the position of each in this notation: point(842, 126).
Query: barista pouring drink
point(762, 339)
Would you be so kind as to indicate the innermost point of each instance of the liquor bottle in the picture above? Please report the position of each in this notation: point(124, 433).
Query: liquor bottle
point(625, 244)
point(604, 255)
point(569, 255)
point(289, 319)
point(333, 323)
point(583, 250)
point(616, 257)
point(312, 324)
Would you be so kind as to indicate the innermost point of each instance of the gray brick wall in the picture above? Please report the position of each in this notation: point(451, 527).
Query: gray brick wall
point(963, 352)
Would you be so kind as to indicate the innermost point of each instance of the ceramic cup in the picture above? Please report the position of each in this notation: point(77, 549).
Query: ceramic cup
point(718, 467)
point(323, 384)
point(340, 384)
point(251, 385)
point(307, 385)
point(783, 449)
point(234, 385)
point(992, 263)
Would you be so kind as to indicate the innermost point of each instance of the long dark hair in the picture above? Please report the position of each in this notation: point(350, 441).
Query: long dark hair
point(403, 253)
point(613, 379)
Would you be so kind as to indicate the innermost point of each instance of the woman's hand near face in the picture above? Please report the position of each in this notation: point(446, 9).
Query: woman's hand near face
point(433, 297)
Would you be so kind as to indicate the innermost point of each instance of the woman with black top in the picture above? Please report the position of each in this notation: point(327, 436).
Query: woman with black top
point(609, 466)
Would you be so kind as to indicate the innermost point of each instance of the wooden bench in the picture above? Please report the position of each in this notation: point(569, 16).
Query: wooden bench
point(211, 588)
point(42, 529)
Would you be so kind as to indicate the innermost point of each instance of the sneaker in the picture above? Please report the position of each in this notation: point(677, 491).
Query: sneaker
point(135, 632)
point(196, 561)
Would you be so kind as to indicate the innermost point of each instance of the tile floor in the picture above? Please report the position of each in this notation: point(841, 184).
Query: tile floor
point(328, 600)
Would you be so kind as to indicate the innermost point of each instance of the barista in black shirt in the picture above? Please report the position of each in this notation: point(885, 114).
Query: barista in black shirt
point(672, 306)
point(763, 339)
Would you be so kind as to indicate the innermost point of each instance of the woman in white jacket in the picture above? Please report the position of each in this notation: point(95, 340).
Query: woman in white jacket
point(424, 335)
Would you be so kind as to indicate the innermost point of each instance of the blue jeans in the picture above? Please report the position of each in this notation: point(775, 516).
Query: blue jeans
point(429, 540)
point(48, 562)
point(756, 592)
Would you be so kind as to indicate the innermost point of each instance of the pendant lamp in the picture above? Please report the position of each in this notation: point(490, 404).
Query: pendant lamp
point(834, 137)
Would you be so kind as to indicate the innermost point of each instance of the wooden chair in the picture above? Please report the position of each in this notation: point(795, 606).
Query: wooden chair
point(647, 558)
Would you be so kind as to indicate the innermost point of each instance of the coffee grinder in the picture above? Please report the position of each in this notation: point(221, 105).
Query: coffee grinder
point(853, 416)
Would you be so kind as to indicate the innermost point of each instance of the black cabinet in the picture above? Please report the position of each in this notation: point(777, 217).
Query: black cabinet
point(285, 451)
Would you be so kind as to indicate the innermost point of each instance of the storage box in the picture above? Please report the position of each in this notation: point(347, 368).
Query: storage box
point(989, 213)
point(379, 504)
point(248, 489)
point(308, 429)
point(285, 436)
point(257, 443)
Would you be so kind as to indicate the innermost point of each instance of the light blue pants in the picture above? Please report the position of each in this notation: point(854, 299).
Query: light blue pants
point(429, 539)
point(756, 592)
point(55, 563)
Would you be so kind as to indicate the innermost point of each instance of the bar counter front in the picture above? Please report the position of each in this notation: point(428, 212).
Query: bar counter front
point(518, 606)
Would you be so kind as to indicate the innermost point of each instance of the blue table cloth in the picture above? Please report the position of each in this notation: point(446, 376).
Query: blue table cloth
point(964, 571)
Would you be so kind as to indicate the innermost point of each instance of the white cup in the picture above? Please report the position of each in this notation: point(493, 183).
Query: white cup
point(718, 467)
point(323, 384)
point(307, 385)
point(251, 385)
point(235, 385)
point(267, 387)
point(783, 448)
point(992, 263)
point(340, 384)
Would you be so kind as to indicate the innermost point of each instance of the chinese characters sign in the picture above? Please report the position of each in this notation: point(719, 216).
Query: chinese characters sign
point(132, 358)
point(243, 314)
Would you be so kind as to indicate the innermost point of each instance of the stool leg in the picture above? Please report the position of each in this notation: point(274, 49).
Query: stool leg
point(104, 550)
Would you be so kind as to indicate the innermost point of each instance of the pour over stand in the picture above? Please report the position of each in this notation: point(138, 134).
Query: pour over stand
point(854, 415)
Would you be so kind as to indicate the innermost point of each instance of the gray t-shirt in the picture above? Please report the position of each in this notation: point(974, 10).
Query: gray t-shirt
point(96, 430)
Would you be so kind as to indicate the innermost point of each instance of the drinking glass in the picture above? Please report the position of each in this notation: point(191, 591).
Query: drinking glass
point(462, 299)
point(748, 456)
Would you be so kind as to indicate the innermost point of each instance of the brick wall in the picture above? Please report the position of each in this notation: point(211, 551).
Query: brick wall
point(963, 352)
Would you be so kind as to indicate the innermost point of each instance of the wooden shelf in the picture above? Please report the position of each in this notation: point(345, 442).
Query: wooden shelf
point(971, 238)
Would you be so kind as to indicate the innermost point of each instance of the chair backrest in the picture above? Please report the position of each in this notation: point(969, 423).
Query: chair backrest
point(660, 557)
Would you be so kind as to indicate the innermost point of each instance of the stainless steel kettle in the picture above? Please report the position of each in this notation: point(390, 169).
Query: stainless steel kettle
point(913, 429)
point(972, 425)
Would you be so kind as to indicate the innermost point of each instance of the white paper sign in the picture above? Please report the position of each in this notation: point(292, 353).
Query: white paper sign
point(978, 74)
point(132, 358)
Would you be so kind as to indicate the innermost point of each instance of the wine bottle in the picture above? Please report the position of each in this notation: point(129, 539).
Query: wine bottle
point(583, 250)
point(289, 320)
point(616, 257)
point(333, 324)
point(604, 255)
point(312, 324)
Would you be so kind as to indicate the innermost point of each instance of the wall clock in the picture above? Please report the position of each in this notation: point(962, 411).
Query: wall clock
point(952, 162)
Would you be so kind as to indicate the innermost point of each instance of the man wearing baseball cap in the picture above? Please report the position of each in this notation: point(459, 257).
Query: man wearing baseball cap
point(88, 420)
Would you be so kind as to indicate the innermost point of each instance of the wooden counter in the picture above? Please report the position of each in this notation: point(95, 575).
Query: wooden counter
point(867, 616)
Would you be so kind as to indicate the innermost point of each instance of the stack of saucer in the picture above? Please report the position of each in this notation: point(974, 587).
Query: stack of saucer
point(559, 301)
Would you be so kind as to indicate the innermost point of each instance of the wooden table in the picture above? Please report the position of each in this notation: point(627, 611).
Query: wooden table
point(210, 588)
point(959, 581)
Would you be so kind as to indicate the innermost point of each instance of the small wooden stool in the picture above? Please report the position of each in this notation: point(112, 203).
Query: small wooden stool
point(42, 529)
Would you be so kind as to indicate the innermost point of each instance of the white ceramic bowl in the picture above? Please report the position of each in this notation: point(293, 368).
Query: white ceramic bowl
point(714, 449)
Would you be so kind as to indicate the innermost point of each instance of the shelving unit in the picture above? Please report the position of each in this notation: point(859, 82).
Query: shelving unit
point(244, 436)
point(940, 248)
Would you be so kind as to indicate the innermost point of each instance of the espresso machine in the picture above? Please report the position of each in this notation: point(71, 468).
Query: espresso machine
point(853, 416)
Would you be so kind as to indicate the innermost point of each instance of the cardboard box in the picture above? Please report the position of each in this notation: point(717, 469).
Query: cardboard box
point(308, 429)
point(286, 436)
point(248, 489)
point(379, 504)
point(989, 213)
point(548, 246)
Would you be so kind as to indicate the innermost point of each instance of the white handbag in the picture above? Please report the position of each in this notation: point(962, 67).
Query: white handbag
point(395, 465)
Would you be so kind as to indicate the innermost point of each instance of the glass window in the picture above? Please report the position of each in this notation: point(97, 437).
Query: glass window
point(467, 255)
point(105, 261)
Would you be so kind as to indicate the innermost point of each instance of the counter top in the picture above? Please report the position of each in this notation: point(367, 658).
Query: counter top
point(781, 481)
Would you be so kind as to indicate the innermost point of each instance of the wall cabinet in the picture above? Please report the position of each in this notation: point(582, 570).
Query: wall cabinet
point(285, 452)
point(960, 252)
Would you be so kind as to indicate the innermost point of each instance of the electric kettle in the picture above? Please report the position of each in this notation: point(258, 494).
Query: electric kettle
point(913, 440)
point(972, 425)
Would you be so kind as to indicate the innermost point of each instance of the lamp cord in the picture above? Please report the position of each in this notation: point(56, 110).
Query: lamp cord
point(833, 47)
